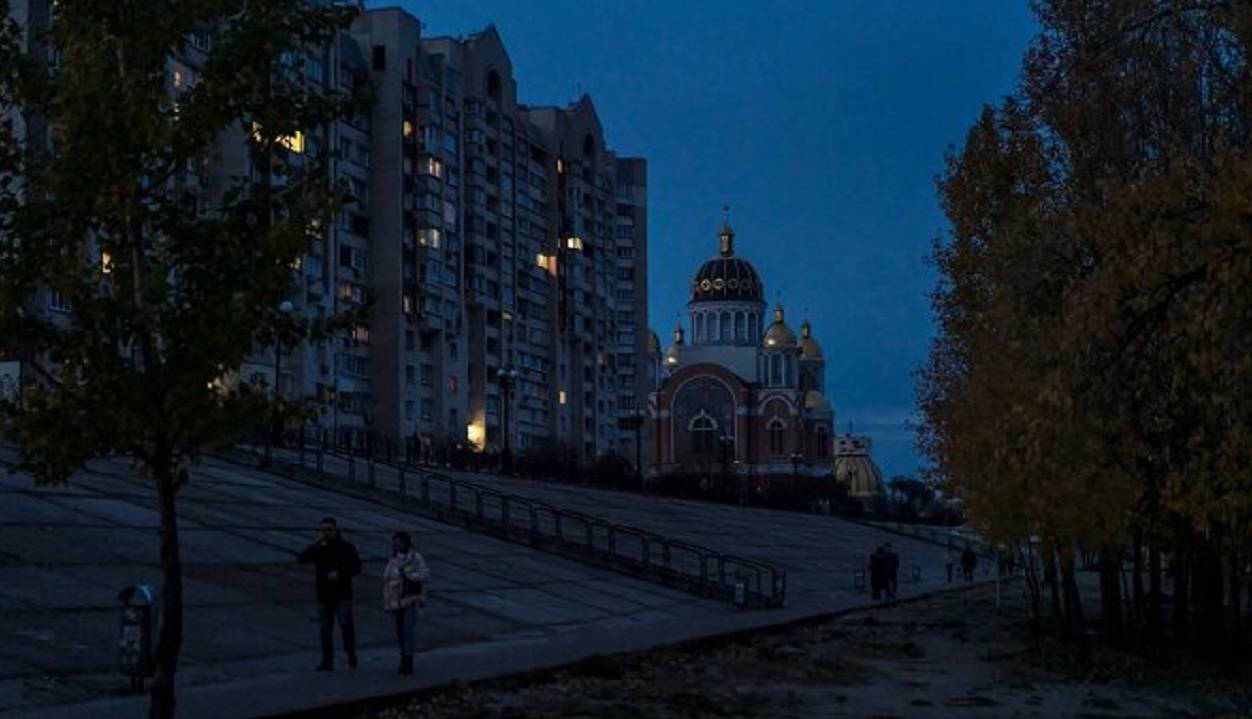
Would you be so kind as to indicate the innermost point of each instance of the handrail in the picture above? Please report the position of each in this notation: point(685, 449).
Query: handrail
point(570, 533)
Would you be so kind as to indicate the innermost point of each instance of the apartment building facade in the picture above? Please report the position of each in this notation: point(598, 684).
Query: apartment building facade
point(500, 248)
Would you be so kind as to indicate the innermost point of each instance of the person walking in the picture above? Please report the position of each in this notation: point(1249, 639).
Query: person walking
point(878, 572)
point(335, 563)
point(404, 590)
point(891, 570)
point(969, 561)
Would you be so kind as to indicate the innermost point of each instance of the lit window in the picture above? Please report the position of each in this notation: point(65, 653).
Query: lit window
point(408, 129)
point(295, 142)
point(432, 166)
point(574, 243)
point(429, 237)
point(106, 262)
point(561, 396)
point(547, 262)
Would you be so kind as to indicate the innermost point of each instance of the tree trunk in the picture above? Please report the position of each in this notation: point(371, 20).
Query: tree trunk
point(1207, 585)
point(1238, 642)
point(1054, 583)
point(1111, 597)
point(1182, 582)
point(171, 636)
point(1032, 586)
point(1075, 625)
point(1153, 618)
point(1137, 611)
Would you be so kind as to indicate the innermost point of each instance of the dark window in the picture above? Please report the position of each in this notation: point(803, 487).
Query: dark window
point(380, 57)
point(776, 439)
point(703, 435)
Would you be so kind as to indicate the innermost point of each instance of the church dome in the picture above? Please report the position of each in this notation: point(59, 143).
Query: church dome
point(726, 277)
point(859, 474)
point(809, 349)
point(816, 401)
point(779, 334)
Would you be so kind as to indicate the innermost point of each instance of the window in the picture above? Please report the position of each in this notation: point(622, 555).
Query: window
point(428, 237)
point(380, 57)
point(777, 436)
point(703, 434)
point(407, 128)
point(57, 302)
point(431, 166)
point(428, 374)
point(428, 409)
point(823, 443)
point(410, 375)
point(775, 370)
point(725, 335)
point(202, 40)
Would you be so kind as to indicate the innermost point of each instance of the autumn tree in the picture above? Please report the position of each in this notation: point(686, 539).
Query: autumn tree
point(168, 281)
point(1089, 384)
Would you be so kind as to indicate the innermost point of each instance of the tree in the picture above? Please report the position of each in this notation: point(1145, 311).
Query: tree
point(168, 287)
point(1088, 387)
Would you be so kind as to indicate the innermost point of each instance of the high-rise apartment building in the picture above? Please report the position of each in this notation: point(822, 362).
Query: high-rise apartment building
point(500, 247)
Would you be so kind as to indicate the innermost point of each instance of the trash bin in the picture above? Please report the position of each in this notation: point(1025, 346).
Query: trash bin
point(137, 628)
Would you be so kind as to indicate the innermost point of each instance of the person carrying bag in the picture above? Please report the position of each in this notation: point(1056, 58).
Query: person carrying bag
point(404, 591)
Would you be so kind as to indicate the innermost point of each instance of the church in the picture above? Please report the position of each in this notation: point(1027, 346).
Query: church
point(746, 394)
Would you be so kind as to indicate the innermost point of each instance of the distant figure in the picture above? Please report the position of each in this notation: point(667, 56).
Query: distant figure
point(878, 572)
point(404, 590)
point(891, 571)
point(336, 563)
point(969, 561)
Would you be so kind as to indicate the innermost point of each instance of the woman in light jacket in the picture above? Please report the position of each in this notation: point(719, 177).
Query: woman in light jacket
point(404, 589)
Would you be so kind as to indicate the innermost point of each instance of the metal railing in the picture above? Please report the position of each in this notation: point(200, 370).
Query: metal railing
point(571, 534)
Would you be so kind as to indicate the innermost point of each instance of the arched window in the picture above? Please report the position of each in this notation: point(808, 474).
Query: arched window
point(741, 326)
point(789, 365)
point(777, 430)
point(697, 323)
point(710, 327)
point(775, 370)
point(703, 434)
point(823, 443)
point(726, 331)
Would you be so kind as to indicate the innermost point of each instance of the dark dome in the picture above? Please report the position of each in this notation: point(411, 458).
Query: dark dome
point(727, 278)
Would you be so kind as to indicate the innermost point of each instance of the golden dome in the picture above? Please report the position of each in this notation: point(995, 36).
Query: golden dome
point(779, 334)
point(816, 401)
point(673, 356)
point(809, 349)
point(859, 474)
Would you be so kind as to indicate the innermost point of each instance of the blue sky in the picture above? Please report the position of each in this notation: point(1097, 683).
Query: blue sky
point(822, 123)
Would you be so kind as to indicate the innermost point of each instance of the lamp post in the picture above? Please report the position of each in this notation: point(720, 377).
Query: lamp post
point(285, 308)
point(796, 458)
point(726, 442)
point(506, 376)
point(639, 414)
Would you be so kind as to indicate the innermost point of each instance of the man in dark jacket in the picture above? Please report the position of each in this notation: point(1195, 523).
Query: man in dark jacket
point(891, 571)
point(336, 563)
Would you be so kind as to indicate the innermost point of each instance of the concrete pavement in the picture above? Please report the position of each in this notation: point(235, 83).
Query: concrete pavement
point(496, 607)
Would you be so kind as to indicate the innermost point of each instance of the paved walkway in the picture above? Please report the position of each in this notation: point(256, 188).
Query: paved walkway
point(251, 633)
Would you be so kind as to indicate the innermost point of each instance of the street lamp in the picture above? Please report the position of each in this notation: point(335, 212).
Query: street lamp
point(639, 414)
point(506, 376)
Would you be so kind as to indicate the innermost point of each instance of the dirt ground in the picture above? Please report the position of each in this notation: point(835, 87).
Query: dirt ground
point(946, 656)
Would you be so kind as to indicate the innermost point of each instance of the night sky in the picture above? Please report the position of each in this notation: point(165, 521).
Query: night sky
point(821, 123)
